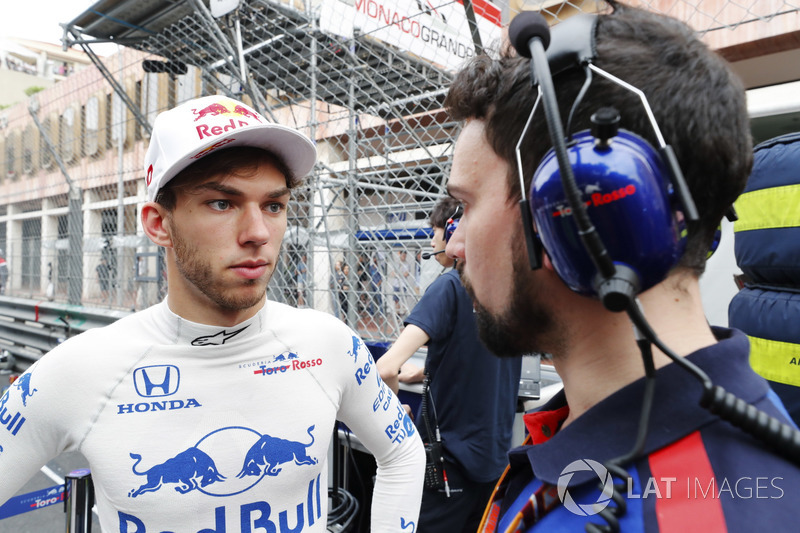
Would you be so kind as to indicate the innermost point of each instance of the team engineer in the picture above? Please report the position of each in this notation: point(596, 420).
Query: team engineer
point(695, 472)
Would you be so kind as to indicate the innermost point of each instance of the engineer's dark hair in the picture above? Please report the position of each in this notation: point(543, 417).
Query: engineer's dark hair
point(443, 211)
point(240, 161)
point(697, 101)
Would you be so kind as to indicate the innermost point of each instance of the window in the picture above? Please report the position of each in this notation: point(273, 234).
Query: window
point(68, 135)
point(28, 149)
point(11, 155)
point(46, 157)
point(92, 138)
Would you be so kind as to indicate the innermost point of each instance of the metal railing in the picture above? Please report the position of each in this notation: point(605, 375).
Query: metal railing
point(29, 329)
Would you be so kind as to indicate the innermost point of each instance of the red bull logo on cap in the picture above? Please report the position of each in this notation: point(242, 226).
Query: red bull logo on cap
point(217, 108)
point(238, 115)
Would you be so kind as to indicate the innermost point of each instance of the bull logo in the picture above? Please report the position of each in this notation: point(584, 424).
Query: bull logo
point(356, 346)
point(211, 465)
point(271, 452)
point(285, 357)
point(211, 110)
point(217, 108)
point(243, 111)
point(190, 470)
point(24, 385)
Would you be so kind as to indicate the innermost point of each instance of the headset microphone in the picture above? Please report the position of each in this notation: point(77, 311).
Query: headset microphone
point(531, 26)
point(428, 255)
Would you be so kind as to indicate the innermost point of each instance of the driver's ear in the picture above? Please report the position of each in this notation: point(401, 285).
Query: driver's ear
point(156, 224)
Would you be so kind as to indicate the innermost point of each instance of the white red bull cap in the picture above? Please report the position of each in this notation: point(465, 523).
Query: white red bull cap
point(201, 126)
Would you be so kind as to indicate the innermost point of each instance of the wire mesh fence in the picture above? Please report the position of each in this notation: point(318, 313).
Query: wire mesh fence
point(365, 78)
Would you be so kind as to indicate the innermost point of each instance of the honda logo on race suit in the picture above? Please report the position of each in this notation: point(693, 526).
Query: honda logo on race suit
point(156, 381)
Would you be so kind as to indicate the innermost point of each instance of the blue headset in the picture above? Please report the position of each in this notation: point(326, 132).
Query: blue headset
point(627, 199)
point(609, 208)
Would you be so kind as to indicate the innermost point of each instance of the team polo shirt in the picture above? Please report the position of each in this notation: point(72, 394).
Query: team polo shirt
point(698, 473)
point(474, 391)
point(193, 428)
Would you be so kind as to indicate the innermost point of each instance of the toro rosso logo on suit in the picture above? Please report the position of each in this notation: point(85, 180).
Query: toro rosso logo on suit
point(156, 383)
point(285, 362)
point(230, 461)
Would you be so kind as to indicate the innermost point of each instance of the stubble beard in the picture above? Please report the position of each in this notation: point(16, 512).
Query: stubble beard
point(200, 274)
point(523, 326)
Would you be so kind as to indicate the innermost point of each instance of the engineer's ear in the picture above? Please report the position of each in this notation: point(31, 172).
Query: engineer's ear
point(546, 262)
point(155, 223)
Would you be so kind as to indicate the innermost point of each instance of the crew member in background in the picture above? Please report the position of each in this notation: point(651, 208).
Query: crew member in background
point(474, 393)
point(214, 409)
point(767, 247)
point(694, 471)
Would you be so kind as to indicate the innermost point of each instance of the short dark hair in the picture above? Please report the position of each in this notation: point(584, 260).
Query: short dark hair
point(697, 101)
point(442, 212)
point(240, 160)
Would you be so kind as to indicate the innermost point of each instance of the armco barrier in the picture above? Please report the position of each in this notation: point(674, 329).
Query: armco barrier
point(30, 328)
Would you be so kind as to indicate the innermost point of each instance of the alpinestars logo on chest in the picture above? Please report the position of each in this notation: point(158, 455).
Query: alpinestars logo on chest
point(218, 338)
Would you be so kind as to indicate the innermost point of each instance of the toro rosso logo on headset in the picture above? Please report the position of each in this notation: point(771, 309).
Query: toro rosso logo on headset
point(597, 198)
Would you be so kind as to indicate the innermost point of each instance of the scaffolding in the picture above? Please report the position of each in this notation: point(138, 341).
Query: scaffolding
point(366, 79)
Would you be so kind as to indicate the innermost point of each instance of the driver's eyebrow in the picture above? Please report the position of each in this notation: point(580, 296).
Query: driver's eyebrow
point(232, 191)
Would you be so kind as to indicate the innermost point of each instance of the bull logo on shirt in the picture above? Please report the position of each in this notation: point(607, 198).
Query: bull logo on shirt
point(271, 452)
point(286, 356)
point(12, 420)
point(227, 461)
point(189, 470)
point(24, 385)
point(357, 344)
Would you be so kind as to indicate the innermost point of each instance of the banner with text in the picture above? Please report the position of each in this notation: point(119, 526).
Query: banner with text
point(436, 30)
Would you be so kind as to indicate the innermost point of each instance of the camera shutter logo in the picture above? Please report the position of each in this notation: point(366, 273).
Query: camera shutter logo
point(582, 465)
